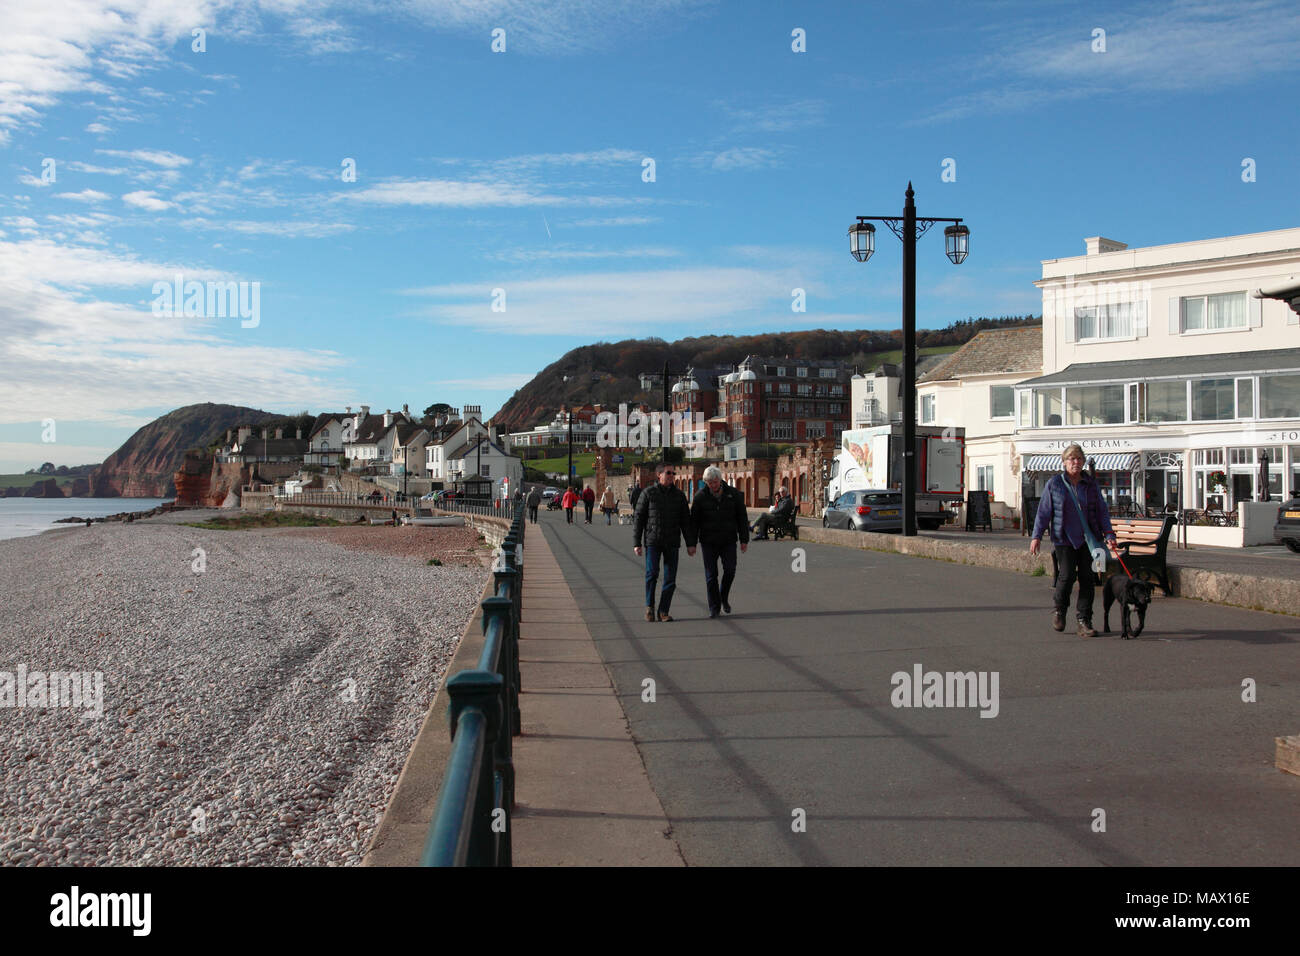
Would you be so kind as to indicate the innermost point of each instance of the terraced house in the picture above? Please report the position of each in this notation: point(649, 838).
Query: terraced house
point(1176, 367)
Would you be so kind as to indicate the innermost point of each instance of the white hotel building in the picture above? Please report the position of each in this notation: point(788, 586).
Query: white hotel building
point(1169, 364)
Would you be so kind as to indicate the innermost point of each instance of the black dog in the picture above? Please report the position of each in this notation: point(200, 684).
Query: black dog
point(1129, 593)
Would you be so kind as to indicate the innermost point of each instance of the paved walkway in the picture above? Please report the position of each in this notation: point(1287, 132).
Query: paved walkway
point(582, 795)
point(774, 737)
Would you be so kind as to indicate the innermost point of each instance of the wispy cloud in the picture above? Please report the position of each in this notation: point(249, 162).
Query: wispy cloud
point(146, 199)
point(738, 157)
point(86, 195)
point(282, 229)
point(466, 194)
point(614, 221)
point(776, 117)
point(156, 157)
point(562, 253)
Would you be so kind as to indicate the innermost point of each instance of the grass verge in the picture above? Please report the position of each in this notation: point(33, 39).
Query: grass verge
point(265, 519)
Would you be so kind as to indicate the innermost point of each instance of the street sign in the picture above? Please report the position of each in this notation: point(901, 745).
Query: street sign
point(617, 459)
point(573, 470)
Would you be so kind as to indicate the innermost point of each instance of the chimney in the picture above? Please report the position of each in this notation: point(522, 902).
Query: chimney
point(299, 435)
point(1096, 245)
point(406, 410)
point(365, 411)
point(388, 417)
point(349, 409)
point(279, 434)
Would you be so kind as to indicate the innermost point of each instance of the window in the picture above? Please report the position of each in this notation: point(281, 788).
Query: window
point(833, 408)
point(1212, 313)
point(984, 479)
point(1213, 399)
point(1245, 398)
point(1002, 401)
point(826, 372)
point(1279, 396)
point(837, 389)
point(802, 371)
point(1047, 407)
point(814, 429)
point(785, 388)
point(1115, 320)
point(487, 471)
point(1094, 405)
point(1026, 398)
point(780, 370)
point(805, 390)
point(1166, 401)
point(927, 409)
point(780, 431)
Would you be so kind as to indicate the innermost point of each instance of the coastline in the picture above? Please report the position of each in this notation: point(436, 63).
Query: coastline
point(257, 704)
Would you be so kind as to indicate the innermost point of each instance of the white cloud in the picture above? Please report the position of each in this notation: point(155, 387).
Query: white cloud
point(98, 128)
point(617, 303)
point(740, 157)
point(615, 221)
point(143, 199)
point(284, 230)
point(86, 195)
point(777, 118)
point(27, 179)
point(157, 157)
point(561, 253)
point(77, 166)
point(446, 192)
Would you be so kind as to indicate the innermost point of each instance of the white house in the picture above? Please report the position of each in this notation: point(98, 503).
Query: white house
point(1176, 367)
point(874, 398)
point(446, 442)
point(974, 388)
point(325, 443)
point(486, 459)
point(370, 443)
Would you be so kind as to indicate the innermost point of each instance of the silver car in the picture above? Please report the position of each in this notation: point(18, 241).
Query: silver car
point(869, 510)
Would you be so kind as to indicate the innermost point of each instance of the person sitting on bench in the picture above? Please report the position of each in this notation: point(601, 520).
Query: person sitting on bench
point(781, 511)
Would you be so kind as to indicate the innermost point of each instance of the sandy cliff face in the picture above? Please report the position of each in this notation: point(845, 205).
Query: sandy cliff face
point(205, 483)
point(146, 465)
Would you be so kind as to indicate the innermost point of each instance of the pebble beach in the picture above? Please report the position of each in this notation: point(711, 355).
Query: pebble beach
point(260, 689)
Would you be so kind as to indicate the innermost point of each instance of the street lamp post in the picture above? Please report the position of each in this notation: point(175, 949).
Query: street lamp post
point(909, 227)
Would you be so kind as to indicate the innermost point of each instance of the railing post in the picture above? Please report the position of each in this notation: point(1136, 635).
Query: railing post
point(509, 664)
point(481, 690)
point(496, 609)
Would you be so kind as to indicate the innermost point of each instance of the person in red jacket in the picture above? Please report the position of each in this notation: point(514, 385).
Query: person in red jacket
point(567, 503)
point(588, 500)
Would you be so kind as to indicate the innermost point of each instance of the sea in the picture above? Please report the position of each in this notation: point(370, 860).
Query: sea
point(20, 517)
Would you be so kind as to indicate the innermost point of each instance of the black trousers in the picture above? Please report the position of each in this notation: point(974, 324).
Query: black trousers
point(1075, 564)
point(532, 514)
point(588, 505)
point(713, 553)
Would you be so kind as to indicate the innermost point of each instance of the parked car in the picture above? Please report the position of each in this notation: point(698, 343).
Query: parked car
point(1287, 529)
point(550, 492)
point(869, 510)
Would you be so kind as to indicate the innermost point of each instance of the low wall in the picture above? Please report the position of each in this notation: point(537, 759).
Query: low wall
point(1279, 595)
point(1257, 520)
point(257, 501)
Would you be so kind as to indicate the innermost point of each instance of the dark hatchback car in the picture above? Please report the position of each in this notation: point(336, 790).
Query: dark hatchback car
point(866, 511)
point(1287, 529)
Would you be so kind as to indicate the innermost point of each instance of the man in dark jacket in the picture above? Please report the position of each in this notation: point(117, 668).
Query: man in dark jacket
point(588, 500)
point(781, 509)
point(663, 517)
point(633, 492)
point(534, 502)
point(719, 520)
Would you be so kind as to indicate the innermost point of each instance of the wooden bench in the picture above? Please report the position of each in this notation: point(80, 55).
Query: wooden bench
point(1142, 543)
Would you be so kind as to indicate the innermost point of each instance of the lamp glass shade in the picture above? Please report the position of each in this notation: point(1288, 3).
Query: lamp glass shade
point(957, 241)
point(862, 240)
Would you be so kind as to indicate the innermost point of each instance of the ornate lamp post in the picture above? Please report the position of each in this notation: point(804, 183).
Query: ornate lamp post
point(862, 243)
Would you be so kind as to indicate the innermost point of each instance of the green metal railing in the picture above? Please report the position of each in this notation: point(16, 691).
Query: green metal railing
point(471, 826)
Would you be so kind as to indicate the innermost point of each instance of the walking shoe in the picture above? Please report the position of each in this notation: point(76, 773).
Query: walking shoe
point(650, 614)
point(1058, 620)
point(1085, 629)
point(714, 612)
point(726, 607)
point(665, 616)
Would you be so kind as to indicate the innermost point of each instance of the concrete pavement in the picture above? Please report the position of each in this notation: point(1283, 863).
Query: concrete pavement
point(773, 738)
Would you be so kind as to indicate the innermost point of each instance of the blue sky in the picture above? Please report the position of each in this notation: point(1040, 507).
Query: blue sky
point(523, 170)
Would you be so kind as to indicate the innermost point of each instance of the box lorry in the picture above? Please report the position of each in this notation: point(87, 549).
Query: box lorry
point(873, 458)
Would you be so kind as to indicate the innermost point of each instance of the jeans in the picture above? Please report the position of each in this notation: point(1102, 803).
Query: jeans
point(652, 556)
point(1072, 563)
point(727, 552)
point(568, 515)
point(589, 505)
point(532, 515)
point(609, 515)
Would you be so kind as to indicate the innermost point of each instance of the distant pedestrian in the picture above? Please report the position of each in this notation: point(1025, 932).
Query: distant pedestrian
point(633, 492)
point(1074, 511)
point(588, 500)
point(534, 502)
point(719, 520)
point(663, 517)
point(781, 510)
point(609, 504)
point(568, 502)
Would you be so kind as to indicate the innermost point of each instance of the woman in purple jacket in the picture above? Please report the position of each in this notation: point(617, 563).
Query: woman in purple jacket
point(1069, 499)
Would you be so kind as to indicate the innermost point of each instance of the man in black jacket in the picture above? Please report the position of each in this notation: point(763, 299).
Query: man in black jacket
point(663, 517)
point(719, 520)
point(781, 509)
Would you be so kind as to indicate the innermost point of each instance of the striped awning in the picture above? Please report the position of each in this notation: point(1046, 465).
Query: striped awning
point(1123, 461)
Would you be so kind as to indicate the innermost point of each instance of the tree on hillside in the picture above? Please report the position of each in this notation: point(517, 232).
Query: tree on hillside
point(46, 469)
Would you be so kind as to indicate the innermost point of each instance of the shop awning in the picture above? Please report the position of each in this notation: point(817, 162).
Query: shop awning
point(1122, 461)
point(1126, 461)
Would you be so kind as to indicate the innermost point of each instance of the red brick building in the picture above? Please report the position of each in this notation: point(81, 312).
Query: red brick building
point(786, 400)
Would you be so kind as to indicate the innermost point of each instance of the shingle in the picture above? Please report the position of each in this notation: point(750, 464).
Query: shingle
point(993, 352)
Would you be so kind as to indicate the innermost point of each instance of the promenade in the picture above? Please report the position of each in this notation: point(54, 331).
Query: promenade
point(772, 738)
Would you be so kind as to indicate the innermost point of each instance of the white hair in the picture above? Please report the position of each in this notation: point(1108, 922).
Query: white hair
point(712, 472)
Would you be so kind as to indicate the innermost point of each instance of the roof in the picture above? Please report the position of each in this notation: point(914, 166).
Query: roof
point(1176, 366)
point(257, 447)
point(407, 431)
point(322, 420)
point(373, 429)
point(992, 352)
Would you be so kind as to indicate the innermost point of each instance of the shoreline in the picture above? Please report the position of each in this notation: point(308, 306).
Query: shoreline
point(258, 704)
